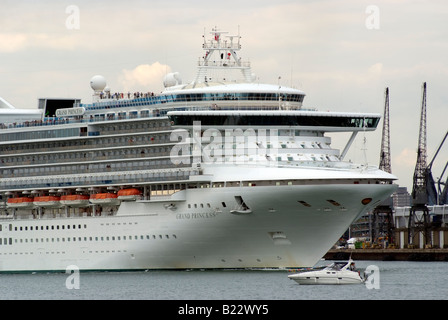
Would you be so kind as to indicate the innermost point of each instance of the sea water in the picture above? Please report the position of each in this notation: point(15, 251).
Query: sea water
point(397, 280)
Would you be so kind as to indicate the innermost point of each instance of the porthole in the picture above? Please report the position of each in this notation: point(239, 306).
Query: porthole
point(306, 204)
point(335, 203)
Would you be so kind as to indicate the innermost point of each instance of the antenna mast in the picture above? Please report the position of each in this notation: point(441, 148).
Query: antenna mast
point(221, 54)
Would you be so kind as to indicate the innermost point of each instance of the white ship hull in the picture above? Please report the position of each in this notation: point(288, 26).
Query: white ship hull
point(148, 235)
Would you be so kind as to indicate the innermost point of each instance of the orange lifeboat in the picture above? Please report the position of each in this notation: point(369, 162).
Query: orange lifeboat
point(20, 202)
point(104, 198)
point(129, 194)
point(48, 202)
point(75, 200)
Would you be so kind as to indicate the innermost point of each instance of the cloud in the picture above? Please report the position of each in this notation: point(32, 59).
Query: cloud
point(376, 69)
point(403, 166)
point(12, 42)
point(405, 159)
point(15, 42)
point(144, 77)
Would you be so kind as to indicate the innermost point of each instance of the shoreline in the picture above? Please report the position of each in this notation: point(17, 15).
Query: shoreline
point(388, 254)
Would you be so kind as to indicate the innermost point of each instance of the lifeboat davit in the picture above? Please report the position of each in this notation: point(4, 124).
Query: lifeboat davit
point(20, 202)
point(129, 194)
point(75, 200)
point(104, 198)
point(48, 202)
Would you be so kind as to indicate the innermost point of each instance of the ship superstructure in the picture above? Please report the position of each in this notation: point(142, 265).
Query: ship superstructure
point(222, 172)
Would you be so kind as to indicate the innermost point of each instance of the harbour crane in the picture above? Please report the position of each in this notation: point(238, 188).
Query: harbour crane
point(385, 162)
point(382, 215)
point(420, 197)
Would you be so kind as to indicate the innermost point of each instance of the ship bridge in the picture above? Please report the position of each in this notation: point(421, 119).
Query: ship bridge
point(303, 120)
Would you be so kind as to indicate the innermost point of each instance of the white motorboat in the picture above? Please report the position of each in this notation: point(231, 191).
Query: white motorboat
point(335, 273)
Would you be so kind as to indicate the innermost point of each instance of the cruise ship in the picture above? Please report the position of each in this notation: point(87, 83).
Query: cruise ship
point(217, 173)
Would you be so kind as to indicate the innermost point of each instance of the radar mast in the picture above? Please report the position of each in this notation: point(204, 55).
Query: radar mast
point(221, 56)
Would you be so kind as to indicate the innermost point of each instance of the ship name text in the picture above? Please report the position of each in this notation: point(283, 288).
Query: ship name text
point(196, 215)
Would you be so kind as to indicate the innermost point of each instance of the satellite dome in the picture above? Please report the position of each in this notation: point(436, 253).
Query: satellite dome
point(177, 77)
point(98, 83)
point(172, 79)
point(169, 80)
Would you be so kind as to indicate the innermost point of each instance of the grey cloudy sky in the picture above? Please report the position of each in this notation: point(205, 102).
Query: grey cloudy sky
point(322, 47)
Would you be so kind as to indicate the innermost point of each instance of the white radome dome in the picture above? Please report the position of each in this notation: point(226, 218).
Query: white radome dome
point(172, 79)
point(169, 80)
point(177, 77)
point(98, 83)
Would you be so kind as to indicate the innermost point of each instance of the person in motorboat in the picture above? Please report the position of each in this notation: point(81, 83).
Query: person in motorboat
point(352, 267)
